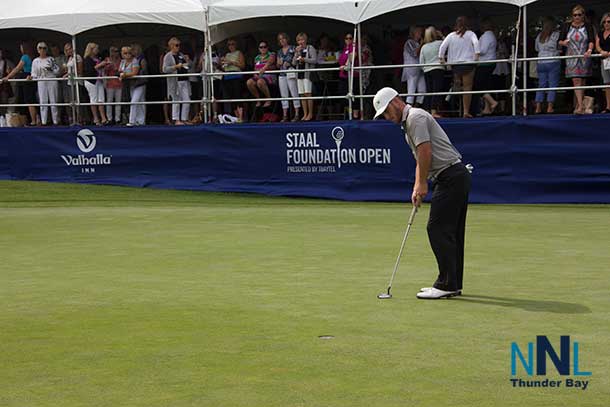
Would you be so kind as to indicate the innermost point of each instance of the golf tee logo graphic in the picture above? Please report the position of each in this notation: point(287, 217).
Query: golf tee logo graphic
point(338, 135)
point(86, 141)
point(561, 361)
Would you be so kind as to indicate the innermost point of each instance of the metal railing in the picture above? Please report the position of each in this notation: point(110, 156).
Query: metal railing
point(208, 78)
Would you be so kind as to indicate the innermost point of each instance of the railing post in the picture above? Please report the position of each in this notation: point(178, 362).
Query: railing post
point(77, 93)
point(525, 64)
point(513, 87)
point(73, 88)
point(350, 78)
point(208, 68)
point(360, 71)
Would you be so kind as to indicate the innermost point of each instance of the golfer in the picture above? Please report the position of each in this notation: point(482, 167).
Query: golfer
point(438, 161)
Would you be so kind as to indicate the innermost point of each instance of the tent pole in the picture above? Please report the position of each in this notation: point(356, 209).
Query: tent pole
point(204, 87)
point(210, 66)
point(360, 76)
point(73, 88)
point(350, 78)
point(525, 67)
point(76, 108)
point(513, 86)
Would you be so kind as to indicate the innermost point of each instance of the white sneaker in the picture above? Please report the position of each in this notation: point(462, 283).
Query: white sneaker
point(435, 294)
point(421, 290)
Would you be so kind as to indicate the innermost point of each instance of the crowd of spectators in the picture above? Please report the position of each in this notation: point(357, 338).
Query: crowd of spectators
point(460, 60)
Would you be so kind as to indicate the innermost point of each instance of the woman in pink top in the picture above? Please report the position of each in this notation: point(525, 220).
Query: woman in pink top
point(114, 87)
point(349, 56)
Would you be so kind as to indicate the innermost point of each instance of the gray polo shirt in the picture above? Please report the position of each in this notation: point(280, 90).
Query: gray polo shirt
point(420, 127)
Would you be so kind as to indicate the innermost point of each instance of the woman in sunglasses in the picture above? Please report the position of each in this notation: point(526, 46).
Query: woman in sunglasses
point(45, 67)
point(578, 37)
point(178, 88)
point(603, 47)
point(288, 78)
point(263, 62)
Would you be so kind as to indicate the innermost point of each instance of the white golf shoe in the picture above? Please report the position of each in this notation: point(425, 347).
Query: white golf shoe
point(435, 294)
point(421, 290)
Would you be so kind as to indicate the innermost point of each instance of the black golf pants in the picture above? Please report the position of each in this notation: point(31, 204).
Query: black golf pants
point(447, 225)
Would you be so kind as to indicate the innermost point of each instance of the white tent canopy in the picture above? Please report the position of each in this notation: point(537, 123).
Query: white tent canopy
point(351, 11)
point(75, 16)
point(374, 8)
point(223, 11)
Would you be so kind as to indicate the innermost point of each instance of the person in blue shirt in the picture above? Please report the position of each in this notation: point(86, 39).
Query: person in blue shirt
point(26, 90)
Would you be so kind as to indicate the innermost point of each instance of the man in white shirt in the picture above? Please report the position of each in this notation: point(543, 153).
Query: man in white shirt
point(439, 161)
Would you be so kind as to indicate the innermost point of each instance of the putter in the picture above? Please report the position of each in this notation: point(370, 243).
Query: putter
point(387, 295)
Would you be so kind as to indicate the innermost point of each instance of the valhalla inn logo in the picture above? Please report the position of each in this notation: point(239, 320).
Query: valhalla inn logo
point(86, 143)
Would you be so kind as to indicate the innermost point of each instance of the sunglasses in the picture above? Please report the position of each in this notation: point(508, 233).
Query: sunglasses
point(577, 15)
point(42, 48)
point(262, 47)
point(607, 22)
point(349, 38)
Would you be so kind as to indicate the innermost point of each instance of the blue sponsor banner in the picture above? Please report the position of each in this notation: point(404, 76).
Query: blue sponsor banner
point(558, 159)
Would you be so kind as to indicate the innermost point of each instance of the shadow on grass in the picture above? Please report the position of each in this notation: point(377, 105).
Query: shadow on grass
point(556, 307)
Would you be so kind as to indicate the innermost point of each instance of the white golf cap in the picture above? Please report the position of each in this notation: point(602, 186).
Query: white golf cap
point(41, 45)
point(382, 99)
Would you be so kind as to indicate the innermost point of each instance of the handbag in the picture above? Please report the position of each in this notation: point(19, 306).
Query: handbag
point(291, 74)
point(6, 87)
point(606, 64)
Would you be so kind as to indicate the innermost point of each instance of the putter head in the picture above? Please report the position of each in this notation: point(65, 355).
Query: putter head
point(385, 296)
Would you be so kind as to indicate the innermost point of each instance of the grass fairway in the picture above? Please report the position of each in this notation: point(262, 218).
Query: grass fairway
point(129, 297)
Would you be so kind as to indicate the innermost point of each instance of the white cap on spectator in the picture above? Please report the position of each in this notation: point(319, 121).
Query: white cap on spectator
point(41, 45)
point(382, 99)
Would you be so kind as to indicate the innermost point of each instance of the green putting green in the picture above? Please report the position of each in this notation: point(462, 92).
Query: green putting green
point(115, 296)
